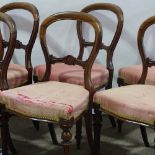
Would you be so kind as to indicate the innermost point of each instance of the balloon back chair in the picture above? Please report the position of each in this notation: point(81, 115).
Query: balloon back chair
point(53, 101)
point(16, 75)
point(101, 75)
point(4, 65)
point(137, 74)
point(132, 103)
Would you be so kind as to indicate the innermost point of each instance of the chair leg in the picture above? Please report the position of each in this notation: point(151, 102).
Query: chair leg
point(10, 143)
point(52, 133)
point(36, 124)
point(144, 135)
point(89, 132)
point(97, 123)
point(66, 135)
point(119, 122)
point(4, 134)
point(112, 120)
point(78, 133)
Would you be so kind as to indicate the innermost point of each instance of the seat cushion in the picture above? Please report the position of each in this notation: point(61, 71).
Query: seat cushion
point(74, 74)
point(132, 74)
point(47, 100)
point(132, 102)
point(17, 75)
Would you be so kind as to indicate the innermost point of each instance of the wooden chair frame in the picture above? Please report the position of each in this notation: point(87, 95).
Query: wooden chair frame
point(70, 60)
point(146, 62)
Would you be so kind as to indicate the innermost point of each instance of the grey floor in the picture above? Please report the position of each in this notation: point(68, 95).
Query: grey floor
point(30, 142)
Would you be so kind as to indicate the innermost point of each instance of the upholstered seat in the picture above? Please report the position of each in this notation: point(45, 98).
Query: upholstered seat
point(49, 100)
point(134, 102)
point(74, 74)
point(132, 74)
point(16, 75)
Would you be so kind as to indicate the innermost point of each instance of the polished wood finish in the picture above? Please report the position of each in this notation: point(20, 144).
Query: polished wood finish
point(146, 63)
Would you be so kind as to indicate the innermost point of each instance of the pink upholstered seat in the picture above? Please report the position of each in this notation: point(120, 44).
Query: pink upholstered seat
point(132, 74)
point(74, 74)
point(134, 102)
point(49, 100)
point(16, 75)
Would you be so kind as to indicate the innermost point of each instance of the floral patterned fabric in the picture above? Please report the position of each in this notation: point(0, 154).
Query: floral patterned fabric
point(16, 75)
point(132, 74)
point(132, 102)
point(47, 100)
point(74, 74)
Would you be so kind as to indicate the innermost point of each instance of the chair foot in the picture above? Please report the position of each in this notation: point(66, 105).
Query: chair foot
point(52, 133)
point(144, 136)
point(36, 125)
point(78, 133)
point(66, 135)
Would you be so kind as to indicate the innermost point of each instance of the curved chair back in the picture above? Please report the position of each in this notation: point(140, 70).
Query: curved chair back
point(70, 60)
point(146, 62)
point(4, 63)
point(19, 45)
point(108, 48)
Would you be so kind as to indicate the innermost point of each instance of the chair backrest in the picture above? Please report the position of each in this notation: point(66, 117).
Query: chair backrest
point(69, 59)
point(5, 61)
point(108, 48)
point(146, 61)
point(19, 45)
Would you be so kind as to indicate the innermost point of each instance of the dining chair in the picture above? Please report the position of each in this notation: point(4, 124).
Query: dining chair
point(53, 101)
point(133, 75)
point(102, 75)
point(4, 65)
point(132, 103)
point(16, 75)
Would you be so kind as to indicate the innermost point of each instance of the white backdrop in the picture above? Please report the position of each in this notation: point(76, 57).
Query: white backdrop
point(126, 53)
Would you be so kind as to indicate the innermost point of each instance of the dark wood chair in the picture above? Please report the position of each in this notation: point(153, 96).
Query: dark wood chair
point(137, 73)
point(53, 101)
point(4, 65)
point(132, 103)
point(101, 75)
point(16, 75)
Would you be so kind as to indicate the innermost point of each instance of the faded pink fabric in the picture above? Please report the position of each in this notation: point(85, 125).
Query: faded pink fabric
point(132, 74)
point(16, 75)
point(74, 74)
point(47, 100)
point(132, 102)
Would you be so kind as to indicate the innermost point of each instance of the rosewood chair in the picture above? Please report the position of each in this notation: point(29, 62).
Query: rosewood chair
point(136, 74)
point(18, 75)
point(133, 103)
point(101, 75)
point(4, 67)
point(53, 101)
